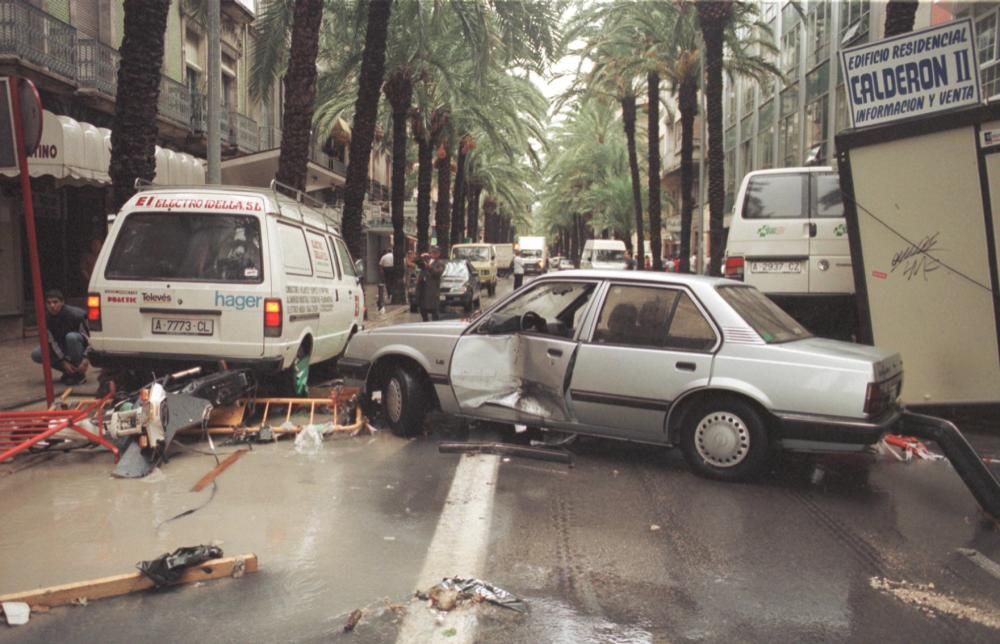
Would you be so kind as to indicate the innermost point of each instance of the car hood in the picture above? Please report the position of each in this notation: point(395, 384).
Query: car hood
point(447, 327)
point(885, 363)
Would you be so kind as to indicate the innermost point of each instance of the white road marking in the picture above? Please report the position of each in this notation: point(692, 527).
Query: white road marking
point(458, 549)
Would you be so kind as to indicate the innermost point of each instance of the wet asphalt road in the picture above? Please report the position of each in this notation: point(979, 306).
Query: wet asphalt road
point(624, 546)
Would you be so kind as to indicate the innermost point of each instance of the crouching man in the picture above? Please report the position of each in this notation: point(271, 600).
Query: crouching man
point(69, 338)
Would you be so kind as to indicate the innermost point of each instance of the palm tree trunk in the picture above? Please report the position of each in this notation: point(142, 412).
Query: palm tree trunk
point(441, 217)
point(655, 224)
point(425, 175)
point(714, 16)
point(458, 200)
point(363, 131)
point(472, 209)
point(490, 219)
point(628, 116)
point(899, 16)
point(399, 92)
point(133, 135)
point(300, 94)
point(687, 99)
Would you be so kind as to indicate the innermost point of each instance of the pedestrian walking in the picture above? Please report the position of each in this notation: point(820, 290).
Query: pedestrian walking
point(518, 269)
point(69, 338)
point(429, 284)
point(385, 264)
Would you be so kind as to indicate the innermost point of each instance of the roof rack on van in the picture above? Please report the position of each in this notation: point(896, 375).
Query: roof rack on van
point(143, 184)
point(282, 189)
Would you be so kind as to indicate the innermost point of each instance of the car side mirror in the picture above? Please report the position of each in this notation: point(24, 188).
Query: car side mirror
point(359, 267)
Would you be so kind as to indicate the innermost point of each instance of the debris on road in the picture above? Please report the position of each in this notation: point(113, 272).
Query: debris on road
point(932, 602)
point(82, 592)
point(452, 591)
point(353, 619)
point(168, 567)
point(910, 447)
point(16, 613)
point(554, 455)
point(217, 470)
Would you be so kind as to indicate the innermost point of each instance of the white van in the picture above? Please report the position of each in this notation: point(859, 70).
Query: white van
point(607, 254)
point(788, 237)
point(192, 276)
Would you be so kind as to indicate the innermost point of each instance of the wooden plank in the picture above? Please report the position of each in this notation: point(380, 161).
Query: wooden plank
point(218, 469)
point(130, 583)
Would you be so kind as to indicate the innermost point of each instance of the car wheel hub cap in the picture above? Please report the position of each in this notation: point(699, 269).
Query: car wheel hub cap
point(394, 400)
point(722, 439)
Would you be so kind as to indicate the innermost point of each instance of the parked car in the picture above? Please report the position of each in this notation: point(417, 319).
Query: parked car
point(709, 364)
point(460, 285)
point(483, 258)
point(192, 276)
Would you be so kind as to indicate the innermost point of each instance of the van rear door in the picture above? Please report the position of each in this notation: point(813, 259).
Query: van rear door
point(829, 253)
point(775, 225)
point(185, 283)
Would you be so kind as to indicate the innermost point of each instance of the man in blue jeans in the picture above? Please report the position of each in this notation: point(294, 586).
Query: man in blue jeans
point(68, 338)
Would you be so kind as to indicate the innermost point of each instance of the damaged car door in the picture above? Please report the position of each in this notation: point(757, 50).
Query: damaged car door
point(514, 365)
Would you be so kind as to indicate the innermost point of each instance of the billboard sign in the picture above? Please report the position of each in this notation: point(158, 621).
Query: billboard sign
point(914, 74)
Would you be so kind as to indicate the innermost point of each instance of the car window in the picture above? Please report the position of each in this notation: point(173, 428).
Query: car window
point(765, 317)
point(320, 255)
point(293, 249)
point(561, 305)
point(473, 253)
point(645, 316)
point(456, 269)
point(775, 196)
point(609, 255)
point(346, 265)
point(199, 247)
point(829, 201)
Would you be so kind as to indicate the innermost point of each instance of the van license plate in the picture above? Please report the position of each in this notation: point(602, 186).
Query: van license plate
point(776, 267)
point(175, 326)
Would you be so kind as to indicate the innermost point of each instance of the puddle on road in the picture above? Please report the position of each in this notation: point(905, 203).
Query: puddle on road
point(551, 620)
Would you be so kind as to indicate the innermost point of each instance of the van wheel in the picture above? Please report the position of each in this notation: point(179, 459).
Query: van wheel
point(725, 439)
point(295, 380)
point(403, 403)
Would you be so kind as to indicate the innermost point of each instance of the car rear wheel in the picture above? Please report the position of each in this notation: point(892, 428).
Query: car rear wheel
point(403, 403)
point(725, 439)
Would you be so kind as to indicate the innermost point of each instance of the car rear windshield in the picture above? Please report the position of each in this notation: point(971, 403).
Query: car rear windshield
point(775, 196)
point(197, 247)
point(765, 317)
point(609, 255)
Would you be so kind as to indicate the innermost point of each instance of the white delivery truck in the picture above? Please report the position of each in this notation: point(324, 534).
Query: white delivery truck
point(535, 254)
point(788, 237)
point(249, 276)
point(505, 259)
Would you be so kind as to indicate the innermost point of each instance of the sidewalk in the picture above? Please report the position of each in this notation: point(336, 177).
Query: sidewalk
point(22, 382)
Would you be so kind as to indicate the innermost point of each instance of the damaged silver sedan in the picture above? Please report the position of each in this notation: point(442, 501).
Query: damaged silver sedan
point(707, 364)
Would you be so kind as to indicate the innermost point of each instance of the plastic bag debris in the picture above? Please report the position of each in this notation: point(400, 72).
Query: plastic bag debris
point(453, 590)
point(309, 440)
point(17, 613)
point(168, 567)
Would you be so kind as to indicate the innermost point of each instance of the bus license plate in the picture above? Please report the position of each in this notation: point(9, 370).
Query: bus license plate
point(776, 267)
point(176, 326)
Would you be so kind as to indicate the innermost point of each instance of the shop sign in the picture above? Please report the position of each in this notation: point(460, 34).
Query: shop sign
point(911, 75)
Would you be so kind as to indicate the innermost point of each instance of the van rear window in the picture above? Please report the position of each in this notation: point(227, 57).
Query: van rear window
point(775, 196)
point(197, 247)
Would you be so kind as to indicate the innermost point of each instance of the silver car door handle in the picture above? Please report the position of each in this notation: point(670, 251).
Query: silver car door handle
point(555, 353)
point(686, 366)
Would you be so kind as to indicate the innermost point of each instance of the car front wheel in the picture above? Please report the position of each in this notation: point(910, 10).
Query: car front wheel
point(725, 440)
point(403, 403)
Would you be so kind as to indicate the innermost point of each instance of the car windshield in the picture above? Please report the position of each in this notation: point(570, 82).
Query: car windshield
point(609, 255)
point(456, 269)
point(764, 316)
point(531, 252)
point(471, 253)
point(198, 247)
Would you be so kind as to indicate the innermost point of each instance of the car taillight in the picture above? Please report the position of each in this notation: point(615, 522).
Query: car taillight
point(881, 395)
point(94, 311)
point(734, 267)
point(272, 318)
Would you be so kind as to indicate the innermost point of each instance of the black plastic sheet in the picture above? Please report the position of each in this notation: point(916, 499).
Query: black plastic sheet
point(168, 567)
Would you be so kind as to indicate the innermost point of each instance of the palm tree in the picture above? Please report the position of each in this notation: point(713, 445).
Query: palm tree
point(714, 17)
point(300, 94)
point(133, 136)
point(363, 130)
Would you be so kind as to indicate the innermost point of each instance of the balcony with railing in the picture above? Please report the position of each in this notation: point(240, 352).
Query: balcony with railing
point(97, 65)
point(269, 137)
point(175, 101)
point(244, 133)
point(37, 37)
